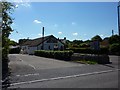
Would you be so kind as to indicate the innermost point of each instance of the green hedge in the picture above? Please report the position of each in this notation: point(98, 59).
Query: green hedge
point(100, 59)
point(63, 55)
point(14, 51)
point(115, 48)
point(90, 51)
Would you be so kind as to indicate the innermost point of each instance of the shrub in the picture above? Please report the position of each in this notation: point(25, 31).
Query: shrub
point(100, 59)
point(90, 51)
point(14, 51)
point(63, 55)
point(115, 48)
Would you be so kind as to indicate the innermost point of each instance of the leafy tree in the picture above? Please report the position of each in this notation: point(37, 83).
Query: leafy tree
point(77, 42)
point(106, 38)
point(97, 37)
point(12, 43)
point(7, 9)
point(114, 39)
point(115, 47)
point(87, 41)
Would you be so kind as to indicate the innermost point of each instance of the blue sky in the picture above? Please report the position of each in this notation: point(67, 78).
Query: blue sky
point(65, 19)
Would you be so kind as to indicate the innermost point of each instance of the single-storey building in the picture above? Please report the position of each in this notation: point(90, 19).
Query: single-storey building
point(43, 43)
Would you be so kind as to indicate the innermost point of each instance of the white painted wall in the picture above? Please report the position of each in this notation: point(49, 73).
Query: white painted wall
point(24, 48)
point(46, 45)
point(30, 50)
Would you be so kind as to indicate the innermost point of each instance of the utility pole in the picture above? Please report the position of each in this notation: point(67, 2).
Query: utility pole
point(118, 17)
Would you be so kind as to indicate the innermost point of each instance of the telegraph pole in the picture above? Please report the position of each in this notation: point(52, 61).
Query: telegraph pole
point(118, 17)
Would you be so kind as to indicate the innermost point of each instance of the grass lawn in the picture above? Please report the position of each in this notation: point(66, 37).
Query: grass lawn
point(86, 61)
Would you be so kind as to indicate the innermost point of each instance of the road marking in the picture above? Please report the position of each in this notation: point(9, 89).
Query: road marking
point(27, 63)
point(32, 66)
point(65, 77)
point(35, 74)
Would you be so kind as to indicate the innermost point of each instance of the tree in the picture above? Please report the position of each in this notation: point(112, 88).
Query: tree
point(7, 9)
point(114, 39)
point(114, 42)
point(97, 37)
point(77, 41)
point(115, 48)
point(12, 43)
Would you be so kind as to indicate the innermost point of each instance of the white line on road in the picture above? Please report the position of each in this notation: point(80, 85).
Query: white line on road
point(65, 77)
point(27, 63)
point(35, 74)
point(32, 66)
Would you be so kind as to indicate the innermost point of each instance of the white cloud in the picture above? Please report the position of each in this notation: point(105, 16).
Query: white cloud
point(37, 21)
point(40, 34)
point(13, 39)
point(75, 34)
point(73, 23)
point(24, 3)
point(16, 5)
point(59, 32)
point(101, 35)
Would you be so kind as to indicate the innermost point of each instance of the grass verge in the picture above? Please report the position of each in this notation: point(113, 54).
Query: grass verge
point(86, 61)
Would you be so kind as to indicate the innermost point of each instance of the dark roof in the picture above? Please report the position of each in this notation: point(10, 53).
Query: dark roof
point(37, 41)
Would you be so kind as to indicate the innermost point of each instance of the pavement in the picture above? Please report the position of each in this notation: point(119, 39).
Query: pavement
point(29, 71)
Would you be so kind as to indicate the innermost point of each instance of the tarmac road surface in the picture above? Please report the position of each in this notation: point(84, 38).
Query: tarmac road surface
point(38, 72)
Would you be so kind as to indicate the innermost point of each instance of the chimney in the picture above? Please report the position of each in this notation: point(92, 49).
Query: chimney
point(112, 32)
point(42, 38)
point(43, 32)
point(64, 38)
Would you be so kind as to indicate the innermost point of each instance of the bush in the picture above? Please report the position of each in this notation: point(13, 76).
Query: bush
point(115, 48)
point(63, 55)
point(90, 51)
point(14, 51)
point(100, 59)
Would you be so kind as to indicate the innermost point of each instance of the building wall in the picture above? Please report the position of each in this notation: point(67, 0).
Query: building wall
point(24, 49)
point(47, 46)
point(50, 46)
point(32, 49)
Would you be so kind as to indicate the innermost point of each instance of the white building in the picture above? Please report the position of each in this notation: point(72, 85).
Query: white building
point(46, 43)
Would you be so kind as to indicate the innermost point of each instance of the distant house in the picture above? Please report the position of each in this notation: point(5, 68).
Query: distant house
point(46, 43)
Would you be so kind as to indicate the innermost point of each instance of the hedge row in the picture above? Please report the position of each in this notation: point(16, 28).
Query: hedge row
point(14, 51)
point(62, 55)
point(90, 51)
point(115, 49)
point(100, 59)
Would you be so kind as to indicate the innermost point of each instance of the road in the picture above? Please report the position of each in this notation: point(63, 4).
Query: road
point(38, 72)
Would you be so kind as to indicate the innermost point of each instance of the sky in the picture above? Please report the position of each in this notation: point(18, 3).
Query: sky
point(73, 20)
